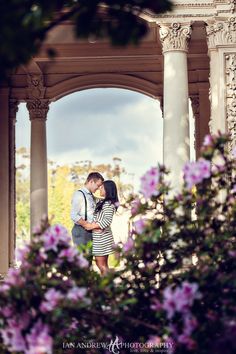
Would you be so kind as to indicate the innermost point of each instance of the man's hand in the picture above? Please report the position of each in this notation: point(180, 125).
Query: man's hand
point(82, 222)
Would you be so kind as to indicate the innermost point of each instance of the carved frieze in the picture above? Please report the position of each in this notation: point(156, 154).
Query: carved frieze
point(175, 37)
point(230, 65)
point(221, 33)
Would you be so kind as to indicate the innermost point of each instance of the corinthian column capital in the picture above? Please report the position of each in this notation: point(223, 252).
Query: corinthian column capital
point(221, 32)
point(38, 109)
point(175, 37)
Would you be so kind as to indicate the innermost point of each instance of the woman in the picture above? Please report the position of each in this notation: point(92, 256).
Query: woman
point(103, 241)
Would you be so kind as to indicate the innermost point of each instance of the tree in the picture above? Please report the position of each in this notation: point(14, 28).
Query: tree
point(62, 182)
point(24, 24)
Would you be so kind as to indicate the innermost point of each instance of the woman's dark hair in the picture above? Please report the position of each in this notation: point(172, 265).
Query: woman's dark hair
point(111, 195)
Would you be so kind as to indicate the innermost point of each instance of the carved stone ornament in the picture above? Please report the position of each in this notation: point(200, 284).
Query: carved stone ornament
point(195, 106)
point(175, 37)
point(221, 33)
point(230, 65)
point(195, 102)
point(36, 87)
point(232, 6)
point(13, 109)
point(38, 109)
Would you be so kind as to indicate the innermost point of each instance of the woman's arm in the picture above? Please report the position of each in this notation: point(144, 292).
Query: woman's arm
point(107, 215)
point(91, 226)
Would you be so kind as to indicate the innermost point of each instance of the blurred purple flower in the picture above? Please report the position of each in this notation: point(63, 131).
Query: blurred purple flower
point(135, 206)
point(129, 245)
point(195, 172)
point(76, 293)
point(21, 253)
point(187, 340)
point(149, 182)
point(139, 226)
point(234, 151)
point(13, 339)
point(208, 140)
point(39, 341)
point(14, 277)
point(81, 261)
point(52, 297)
point(68, 253)
point(180, 299)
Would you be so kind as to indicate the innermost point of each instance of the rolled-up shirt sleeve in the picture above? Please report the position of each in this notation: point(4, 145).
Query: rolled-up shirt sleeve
point(76, 206)
point(106, 216)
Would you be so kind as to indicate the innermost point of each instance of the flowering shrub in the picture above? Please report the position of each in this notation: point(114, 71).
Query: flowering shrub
point(176, 291)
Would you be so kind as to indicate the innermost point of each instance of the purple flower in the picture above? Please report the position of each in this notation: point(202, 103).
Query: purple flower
point(208, 140)
point(190, 324)
point(14, 277)
point(195, 172)
point(7, 311)
point(50, 242)
point(180, 299)
point(52, 297)
point(149, 182)
point(135, 206)
point(234, 189)
point(4, 287)
point(186, 340)
point(53, 236)
point(129, 245)
point(81, 261)
point(139, 226)
point(156, 305)
point(21, 253)
point(234, 151)
point(13, 339)
point(69, 253)
point(76, 293)
point(39, 341)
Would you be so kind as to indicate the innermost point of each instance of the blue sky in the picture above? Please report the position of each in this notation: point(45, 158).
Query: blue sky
point(99, 124)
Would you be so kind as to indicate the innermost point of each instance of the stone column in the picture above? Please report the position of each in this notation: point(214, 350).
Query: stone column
point(221, 39)
point(13, 109)
point(176, 116)
point(201, 111)
point(38, 109)
point(4, 181)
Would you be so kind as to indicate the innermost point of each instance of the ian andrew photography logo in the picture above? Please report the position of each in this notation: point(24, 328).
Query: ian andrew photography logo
point(114, 346)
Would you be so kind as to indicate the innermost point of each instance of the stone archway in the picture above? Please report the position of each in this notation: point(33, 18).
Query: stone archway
point(172, 63)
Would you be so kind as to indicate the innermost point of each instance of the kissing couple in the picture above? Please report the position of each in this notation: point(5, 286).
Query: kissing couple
point(92, 217)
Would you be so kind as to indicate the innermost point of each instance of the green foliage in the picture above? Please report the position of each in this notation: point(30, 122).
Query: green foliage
point(24, 24)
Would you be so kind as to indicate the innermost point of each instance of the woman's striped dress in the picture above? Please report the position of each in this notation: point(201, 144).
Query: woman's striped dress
point(103, 241)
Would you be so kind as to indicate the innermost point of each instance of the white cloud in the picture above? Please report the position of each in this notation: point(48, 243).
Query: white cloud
point(99, 124)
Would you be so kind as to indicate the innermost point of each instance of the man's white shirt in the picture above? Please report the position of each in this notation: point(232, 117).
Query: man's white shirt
point(78, 205)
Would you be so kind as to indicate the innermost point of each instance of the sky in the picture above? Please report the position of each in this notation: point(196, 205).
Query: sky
point(98, 125)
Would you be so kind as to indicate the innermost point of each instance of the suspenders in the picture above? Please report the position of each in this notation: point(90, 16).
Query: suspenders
point(85, 201)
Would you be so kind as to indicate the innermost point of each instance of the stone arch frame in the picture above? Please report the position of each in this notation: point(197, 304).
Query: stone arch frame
point(217, 20)
point(102, 80)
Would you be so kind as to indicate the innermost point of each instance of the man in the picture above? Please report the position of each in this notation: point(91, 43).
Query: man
point(83, 206)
